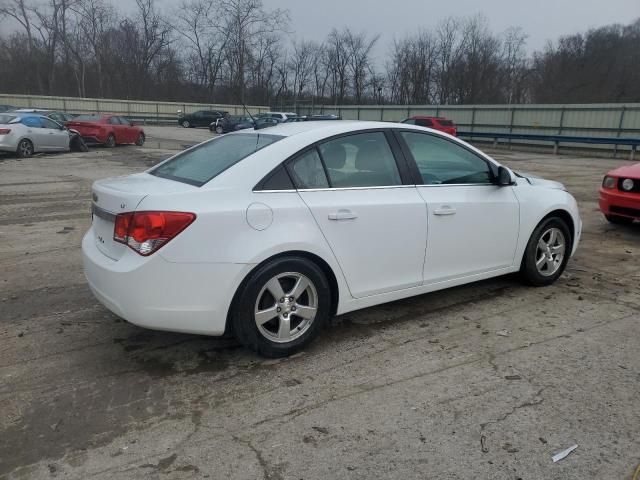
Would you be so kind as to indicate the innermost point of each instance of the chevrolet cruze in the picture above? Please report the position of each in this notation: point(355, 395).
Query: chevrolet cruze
point(268, 233)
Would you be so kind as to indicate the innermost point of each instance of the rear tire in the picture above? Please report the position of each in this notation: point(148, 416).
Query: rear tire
point(140, 140)
point(25, 149)
point(186, 124)
point(547, 252)
point(111, 141)
point(619, 220)
point(281, 323)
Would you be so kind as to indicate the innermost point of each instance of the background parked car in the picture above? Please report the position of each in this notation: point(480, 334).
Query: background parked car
point(6, 108)
point(313, 118)
point(107, 130)
point(620, 194)
point(201, 118)
point(437, 123)
point(279, 116)
point(231, 124)
point(60, 117)
point(26, 134)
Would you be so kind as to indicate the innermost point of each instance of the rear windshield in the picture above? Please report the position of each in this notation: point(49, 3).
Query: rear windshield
point(88, 118)
point(445, 123)
point(4, 119)
point(204, 162)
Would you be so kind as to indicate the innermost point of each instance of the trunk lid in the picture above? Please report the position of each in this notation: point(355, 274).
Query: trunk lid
point(120, 195)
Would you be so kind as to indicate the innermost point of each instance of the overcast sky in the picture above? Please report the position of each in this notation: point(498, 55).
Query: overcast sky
point(542, 20)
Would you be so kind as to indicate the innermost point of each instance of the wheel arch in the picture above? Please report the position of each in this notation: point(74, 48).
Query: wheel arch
point(319, 261)
point(565, 216)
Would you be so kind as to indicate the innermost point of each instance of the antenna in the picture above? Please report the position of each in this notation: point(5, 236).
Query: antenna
point(249, 113)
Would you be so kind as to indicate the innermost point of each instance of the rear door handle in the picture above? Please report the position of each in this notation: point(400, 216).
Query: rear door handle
point(343, 214)
point(445, 210)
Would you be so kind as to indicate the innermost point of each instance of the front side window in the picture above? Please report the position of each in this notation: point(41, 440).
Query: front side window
point(204, 162)
point(124, 121)
point(114, 121)
point(47, 123)
point(360, 160)
point(88, 118)
point(308, 172)
point(441, 161)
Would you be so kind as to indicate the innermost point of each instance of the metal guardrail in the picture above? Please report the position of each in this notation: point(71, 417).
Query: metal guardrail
point(633, 143)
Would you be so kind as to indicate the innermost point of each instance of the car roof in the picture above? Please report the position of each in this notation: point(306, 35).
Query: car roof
point(324, 128)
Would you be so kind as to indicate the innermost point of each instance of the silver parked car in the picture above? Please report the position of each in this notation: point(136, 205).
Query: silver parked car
point(27, 133)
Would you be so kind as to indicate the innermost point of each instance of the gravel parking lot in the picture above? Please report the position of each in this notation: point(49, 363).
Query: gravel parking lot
point(429, 387)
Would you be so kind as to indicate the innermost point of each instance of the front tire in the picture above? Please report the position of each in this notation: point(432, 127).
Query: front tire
point(25, 148)
point(140, 140)
point(282, 307)
point(619, 220)
point(547, 252)
point(219, 130)
point(186, 124)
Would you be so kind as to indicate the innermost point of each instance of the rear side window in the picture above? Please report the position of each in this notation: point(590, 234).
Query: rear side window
point(360, 160)
point(424, 122)
point(409, 121)
point(308, 172)
point(445, 123)
point(114, 121)
point(206, 161)
point(33, 122)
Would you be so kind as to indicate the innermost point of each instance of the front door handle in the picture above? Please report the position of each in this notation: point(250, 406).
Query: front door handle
point(445, 210)
point(343, 214)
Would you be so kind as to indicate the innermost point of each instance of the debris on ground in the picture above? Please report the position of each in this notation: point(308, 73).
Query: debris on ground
point(564, 453)
point(503, 333)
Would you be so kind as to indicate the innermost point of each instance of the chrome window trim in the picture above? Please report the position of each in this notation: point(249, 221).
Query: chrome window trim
point(378, 187)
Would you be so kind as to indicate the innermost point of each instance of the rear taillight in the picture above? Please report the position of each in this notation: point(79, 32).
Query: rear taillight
point(146, 232)
point(5, 131)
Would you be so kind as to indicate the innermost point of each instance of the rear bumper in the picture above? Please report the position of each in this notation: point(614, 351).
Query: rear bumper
point(153, 293)
point(615, 202)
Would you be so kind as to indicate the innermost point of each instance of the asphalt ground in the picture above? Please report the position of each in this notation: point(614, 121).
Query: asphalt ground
point(488, 380)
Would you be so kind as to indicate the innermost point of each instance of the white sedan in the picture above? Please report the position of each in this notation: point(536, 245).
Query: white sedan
point(29, 133)
point(269, 233)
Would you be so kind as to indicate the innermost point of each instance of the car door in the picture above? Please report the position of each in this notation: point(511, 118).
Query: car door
point(473, 223)
point(57, 137)
point(128, 131)
point(114, 122)
point(36, 133)
point(375, 223)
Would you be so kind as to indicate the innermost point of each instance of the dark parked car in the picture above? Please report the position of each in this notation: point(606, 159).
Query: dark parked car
point(313, 118)
point(201, 118)
point(6, 108)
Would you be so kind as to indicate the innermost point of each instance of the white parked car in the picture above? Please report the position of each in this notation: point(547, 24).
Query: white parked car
point(279, 116)
point(26, 134)
point(269, 233)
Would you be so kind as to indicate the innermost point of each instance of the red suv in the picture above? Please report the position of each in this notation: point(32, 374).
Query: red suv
point(437, 123)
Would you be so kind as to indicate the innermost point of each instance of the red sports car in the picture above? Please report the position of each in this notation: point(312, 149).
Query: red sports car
point(437, 123)
point(107, 130)
point(620, 194)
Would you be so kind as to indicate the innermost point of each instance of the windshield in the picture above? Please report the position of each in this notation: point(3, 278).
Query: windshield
point(201, 164)
point(88, 118)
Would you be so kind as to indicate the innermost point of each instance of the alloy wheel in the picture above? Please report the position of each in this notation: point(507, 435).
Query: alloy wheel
point(186, 124)
point(550, 251)
point(25, 148)
point(286, 307)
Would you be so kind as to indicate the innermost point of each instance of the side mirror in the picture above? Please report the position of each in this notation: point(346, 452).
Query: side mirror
point(504, 177)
